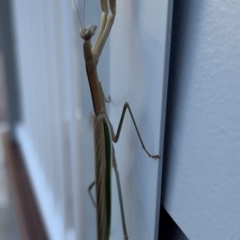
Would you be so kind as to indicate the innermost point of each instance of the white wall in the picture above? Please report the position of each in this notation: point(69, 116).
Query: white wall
point(138, 50)
point(56, 131)
point(202, 157)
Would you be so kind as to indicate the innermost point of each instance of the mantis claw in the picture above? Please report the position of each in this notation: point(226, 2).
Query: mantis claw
point(108, 100)
point(154, 156)
point(151, 156)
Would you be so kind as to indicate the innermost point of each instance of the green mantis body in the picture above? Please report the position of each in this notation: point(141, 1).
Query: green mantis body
point(103, 131)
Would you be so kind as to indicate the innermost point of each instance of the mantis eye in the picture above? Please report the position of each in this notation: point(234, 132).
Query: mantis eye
point(88, 32)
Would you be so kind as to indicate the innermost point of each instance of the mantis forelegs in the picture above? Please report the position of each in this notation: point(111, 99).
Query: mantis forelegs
point(104, 7)
point(106, 25)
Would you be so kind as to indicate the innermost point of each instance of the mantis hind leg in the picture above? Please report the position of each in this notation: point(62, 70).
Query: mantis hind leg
point(114, 163)
point(116, 137)
point(90, 193)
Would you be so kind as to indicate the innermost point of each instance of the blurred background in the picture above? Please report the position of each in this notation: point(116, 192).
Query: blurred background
point(40, 101)
point(8, 227)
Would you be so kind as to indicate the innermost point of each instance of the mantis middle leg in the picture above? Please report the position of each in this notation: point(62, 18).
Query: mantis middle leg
point(116, 137)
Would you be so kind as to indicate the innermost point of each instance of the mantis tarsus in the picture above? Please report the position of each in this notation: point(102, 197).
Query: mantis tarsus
point(103, 131)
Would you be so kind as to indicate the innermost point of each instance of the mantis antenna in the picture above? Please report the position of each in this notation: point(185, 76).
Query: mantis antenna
point(84, 4)
point(81, 22)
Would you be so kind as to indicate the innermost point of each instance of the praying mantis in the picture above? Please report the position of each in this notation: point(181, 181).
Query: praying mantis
point(104, 135)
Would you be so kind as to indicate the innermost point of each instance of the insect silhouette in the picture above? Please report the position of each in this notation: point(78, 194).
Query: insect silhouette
point(104, 135)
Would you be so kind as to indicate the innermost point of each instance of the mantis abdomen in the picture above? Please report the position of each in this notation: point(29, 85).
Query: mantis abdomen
point(103, 157)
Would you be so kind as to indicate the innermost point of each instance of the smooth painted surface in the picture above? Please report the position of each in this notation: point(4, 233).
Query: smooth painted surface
point(202, 170)
point(137, 76)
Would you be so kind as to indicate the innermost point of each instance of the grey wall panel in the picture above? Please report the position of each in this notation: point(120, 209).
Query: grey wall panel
point(202, 154)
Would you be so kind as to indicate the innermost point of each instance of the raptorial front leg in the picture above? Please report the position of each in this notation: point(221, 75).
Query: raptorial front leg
point(105, 27)
point(104, 7)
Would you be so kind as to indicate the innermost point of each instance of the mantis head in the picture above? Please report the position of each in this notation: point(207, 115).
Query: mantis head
point(88, 32)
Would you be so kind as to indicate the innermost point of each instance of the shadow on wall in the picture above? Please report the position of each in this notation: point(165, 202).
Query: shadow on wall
point(168, 229)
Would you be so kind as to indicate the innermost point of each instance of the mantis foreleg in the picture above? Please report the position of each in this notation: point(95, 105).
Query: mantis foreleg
point(106, 25)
